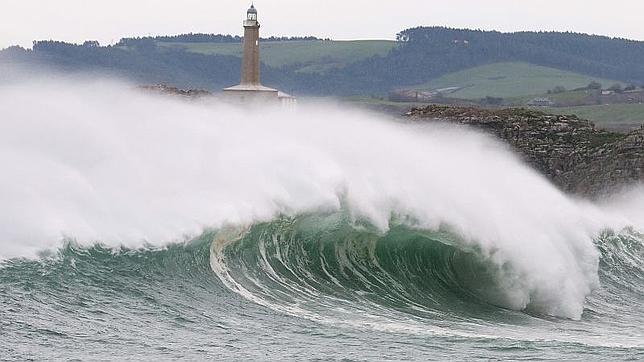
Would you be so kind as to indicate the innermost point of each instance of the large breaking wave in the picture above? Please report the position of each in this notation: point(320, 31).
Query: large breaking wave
point(416, 216)
point(321, 267)
point(327, 268)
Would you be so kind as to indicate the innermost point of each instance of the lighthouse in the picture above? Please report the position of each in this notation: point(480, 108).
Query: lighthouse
point(250, 63)
point(250, 88)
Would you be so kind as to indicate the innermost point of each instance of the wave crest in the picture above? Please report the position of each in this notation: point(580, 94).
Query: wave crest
point(308, 263)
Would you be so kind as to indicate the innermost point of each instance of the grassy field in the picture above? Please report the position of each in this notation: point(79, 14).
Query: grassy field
point(617, 117)
point(508, 80)
point(307, 55)
point(574, 96)
point(381, 104)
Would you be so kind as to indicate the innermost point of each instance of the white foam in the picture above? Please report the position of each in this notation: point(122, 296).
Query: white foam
point(100, 161)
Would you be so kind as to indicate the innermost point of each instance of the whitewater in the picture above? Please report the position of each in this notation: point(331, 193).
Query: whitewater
point(142, 225)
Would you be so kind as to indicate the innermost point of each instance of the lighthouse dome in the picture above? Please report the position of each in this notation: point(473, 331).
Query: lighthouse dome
point(252, 10)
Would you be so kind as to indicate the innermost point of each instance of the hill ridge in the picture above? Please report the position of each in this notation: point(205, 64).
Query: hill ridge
point(421, 54)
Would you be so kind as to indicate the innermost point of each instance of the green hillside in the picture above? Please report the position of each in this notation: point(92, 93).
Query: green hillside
point(310, 56)
point(618, 117)
point(510, 79)
point(478, 63)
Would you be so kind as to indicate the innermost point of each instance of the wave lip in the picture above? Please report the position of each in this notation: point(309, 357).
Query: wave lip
point(318, 258)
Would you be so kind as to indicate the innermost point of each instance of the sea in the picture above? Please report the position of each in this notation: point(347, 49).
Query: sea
point(136, 226)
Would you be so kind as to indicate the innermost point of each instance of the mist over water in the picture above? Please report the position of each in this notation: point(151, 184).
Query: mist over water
point(101, 162)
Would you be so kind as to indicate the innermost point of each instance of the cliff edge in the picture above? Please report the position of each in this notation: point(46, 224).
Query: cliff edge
point(573, 153)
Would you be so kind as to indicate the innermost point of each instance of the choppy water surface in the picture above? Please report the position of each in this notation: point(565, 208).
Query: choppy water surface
point(294, 289)
point(138, 227)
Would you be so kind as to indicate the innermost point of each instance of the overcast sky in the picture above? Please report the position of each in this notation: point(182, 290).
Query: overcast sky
point(22, 21)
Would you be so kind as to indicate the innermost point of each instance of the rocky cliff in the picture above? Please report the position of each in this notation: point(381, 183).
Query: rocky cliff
point(573, 153)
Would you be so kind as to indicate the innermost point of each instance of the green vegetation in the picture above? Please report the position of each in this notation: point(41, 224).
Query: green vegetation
point(572, 96)
point(381, 102)
point(618, 117)
point(313, 56)
point(484, 63)
point(510, 79)
point(439, 51)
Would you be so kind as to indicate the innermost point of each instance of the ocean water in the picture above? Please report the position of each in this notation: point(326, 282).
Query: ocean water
point(142, 227)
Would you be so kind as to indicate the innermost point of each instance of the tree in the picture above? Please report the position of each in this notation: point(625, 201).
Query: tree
point(617, 88)
point(558, 89)
point(595, 85)
point(493, 101)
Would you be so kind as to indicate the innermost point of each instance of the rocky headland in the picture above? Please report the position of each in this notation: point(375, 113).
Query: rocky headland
point(574, 154)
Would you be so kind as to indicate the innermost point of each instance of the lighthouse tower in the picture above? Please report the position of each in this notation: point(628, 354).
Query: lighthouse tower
point(250, 88)
point(250, 64)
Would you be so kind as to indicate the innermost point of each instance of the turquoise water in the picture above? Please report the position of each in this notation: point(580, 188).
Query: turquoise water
point(149, 228)
point(310, 287)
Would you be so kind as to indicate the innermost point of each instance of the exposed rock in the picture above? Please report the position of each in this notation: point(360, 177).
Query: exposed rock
point(168, 90)
point(571, 152)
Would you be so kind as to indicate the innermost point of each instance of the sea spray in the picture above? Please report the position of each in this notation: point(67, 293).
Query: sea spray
point(102, 162)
